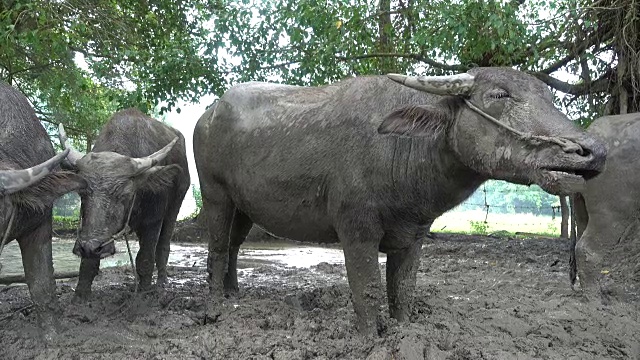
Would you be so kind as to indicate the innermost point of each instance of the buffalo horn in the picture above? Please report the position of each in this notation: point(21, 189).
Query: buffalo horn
point(145, 163)
point(459, 84)
point(12, 181)
point(74, 155)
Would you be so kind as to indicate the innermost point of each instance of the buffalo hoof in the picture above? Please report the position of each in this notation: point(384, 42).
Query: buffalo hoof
point(230, 285)
point(231, 291)
point(162, 281)
point(147, 288)
point(81, 297)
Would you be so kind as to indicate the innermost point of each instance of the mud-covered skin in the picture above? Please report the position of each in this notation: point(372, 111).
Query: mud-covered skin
point(608, 214)
point(25, 144)
point(113, 176)
point(311, 164)
point(476, 298)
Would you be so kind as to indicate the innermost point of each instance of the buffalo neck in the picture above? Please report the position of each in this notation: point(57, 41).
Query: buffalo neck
point(426, 173)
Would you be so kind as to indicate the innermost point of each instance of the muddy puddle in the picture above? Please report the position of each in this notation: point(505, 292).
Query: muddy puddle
point(477, 298)
point(284, 254)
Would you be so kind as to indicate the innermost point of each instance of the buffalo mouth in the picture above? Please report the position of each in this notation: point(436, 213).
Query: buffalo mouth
point(563, 181)
point(586, 174)
point(93, 249)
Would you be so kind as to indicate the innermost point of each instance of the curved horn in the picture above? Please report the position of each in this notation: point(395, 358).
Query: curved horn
point(459, 84)
point(15, 180)
point(74, 155)
point(145, 163)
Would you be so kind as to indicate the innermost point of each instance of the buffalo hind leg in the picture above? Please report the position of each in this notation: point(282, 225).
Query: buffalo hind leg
point(360, 241)
point(219, 210)
point(38, 269)
point(240, 227)
point(402, 267)
point(89, 268)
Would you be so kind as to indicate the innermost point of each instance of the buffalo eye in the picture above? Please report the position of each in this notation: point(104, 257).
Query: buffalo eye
point(500, 95)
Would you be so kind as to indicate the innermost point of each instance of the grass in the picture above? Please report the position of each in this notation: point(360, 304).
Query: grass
point(472, 222)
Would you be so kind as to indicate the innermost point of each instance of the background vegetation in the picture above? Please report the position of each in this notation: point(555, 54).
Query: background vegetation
point(78, 60)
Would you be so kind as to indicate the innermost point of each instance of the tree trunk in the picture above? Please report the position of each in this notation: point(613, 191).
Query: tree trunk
point(564, 223)
point(622, 91)
point(385, 31)
point(89, 142)
point(12, 279)
point(573, 266)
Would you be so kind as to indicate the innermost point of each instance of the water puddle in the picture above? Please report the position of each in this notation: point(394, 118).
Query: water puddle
point(251, 255)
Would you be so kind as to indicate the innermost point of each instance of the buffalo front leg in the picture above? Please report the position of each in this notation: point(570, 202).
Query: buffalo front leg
point(402, 267)
point(163, 248)
point(38, 269)
point(164, 241)
point(89, 268)
point(240, 228)
point(145, 259)
point(360, 242)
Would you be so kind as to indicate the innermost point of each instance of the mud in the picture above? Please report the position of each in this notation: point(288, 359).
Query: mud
point(477, 298)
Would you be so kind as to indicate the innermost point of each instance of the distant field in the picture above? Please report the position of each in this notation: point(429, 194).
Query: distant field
point(472, 221)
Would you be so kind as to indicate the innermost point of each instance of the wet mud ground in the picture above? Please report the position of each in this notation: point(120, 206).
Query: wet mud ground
point(477, 298)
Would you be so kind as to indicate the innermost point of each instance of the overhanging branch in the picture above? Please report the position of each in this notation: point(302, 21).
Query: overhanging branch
point(418, 57)
point(600, 85)
point(576, 50)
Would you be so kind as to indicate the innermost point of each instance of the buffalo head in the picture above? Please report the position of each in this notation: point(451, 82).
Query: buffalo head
point(531, 142)
point(112, 180)
point(35, 187)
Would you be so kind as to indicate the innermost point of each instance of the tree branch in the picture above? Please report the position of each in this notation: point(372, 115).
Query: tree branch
point(583, 88)
point(32, 68)
point(418, 57)
point(576, 51)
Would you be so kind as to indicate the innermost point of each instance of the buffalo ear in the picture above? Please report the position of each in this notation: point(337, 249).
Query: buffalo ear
point(416, 120)
point(158, 178)
point(43, 193)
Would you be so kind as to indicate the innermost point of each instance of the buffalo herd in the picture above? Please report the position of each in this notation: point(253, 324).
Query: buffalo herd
point(368, 162)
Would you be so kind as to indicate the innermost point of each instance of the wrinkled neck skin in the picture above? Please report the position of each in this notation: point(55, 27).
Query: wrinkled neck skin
point(428, 174)
point(26, 219)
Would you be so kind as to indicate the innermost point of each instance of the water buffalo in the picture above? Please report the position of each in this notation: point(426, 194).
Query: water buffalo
point(122, 178)
point(29, 183)
point(608, 252)
point(370, 162)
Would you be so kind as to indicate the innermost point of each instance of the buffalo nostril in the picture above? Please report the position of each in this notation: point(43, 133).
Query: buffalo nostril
point(586, 152)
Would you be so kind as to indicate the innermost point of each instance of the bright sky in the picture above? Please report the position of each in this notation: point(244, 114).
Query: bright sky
point(185, 122)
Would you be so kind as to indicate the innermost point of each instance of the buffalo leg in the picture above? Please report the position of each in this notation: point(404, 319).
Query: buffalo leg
point(145, 259)
point(89, 268)
point(219, 210)
point(164, 244)
point(38, 269)
point(402, 267)
point(240, 228)
point(360, 242)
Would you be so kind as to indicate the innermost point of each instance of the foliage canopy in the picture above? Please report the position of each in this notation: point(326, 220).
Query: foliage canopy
point(80, 60)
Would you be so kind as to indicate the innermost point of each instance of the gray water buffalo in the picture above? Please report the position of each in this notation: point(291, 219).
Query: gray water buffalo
point(607, 212)
point(29, 184)
point(370, 162)
point(136, 171)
